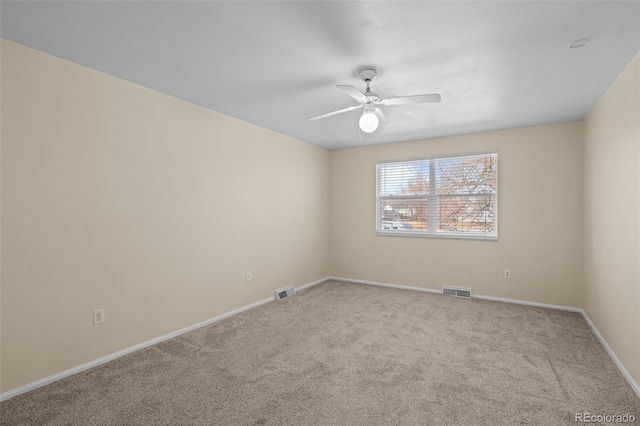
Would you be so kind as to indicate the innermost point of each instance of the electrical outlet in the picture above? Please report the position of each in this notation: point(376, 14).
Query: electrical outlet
point(98, 316)
point(249, 277)
point(507, 273)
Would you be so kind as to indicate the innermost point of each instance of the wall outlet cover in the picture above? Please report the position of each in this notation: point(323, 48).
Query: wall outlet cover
point(98, 316)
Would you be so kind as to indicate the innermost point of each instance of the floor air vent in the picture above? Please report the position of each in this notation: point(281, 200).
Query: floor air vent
point(285, 292)
point(458, 292)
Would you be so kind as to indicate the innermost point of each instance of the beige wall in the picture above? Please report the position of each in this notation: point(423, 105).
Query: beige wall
point(612, 213)
point(540, 222)
point(118, 197)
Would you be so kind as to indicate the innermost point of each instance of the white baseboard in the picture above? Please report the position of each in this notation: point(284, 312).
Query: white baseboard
point(526, 303)
point(475, 296)
point(604, 343)
point(42, 382)
point(389, 285)
point(306, 286)
point(613, 355)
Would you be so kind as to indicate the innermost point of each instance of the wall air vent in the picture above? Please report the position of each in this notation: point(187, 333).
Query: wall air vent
point(285, 292)
point(458, 292)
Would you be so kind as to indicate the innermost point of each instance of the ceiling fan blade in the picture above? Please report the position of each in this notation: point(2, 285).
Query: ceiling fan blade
point(329, 114)
point(383, 118)
point(407, 100)
point(353, 92)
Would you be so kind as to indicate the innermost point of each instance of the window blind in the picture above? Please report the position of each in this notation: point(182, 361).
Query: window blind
point(454, 197)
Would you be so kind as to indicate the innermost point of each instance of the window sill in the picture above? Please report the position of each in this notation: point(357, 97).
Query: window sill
point(441, 236)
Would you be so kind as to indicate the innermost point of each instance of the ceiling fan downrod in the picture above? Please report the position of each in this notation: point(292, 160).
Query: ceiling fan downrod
point(367, 75)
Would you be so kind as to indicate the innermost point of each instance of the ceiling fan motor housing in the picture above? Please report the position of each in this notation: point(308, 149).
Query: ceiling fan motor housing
point(368, 108)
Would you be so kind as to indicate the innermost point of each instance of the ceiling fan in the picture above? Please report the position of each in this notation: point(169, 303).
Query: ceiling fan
point(371, 114)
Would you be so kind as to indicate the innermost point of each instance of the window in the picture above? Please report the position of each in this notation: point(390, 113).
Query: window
point(450, 197)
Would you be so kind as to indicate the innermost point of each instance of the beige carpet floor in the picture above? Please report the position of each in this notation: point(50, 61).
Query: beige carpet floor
point(350, 354)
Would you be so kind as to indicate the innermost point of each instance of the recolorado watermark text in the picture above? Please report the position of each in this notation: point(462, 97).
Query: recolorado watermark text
point(604, 418)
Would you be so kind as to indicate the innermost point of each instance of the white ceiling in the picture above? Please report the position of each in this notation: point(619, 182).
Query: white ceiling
point(497, 65)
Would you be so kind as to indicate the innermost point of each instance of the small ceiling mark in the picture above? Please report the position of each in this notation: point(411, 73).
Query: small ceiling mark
point(577, 44)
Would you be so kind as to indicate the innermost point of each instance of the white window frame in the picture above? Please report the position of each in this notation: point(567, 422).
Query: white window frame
point(432, 198)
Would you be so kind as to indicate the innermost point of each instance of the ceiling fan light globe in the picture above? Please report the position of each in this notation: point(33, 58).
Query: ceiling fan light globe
point(368, 122)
